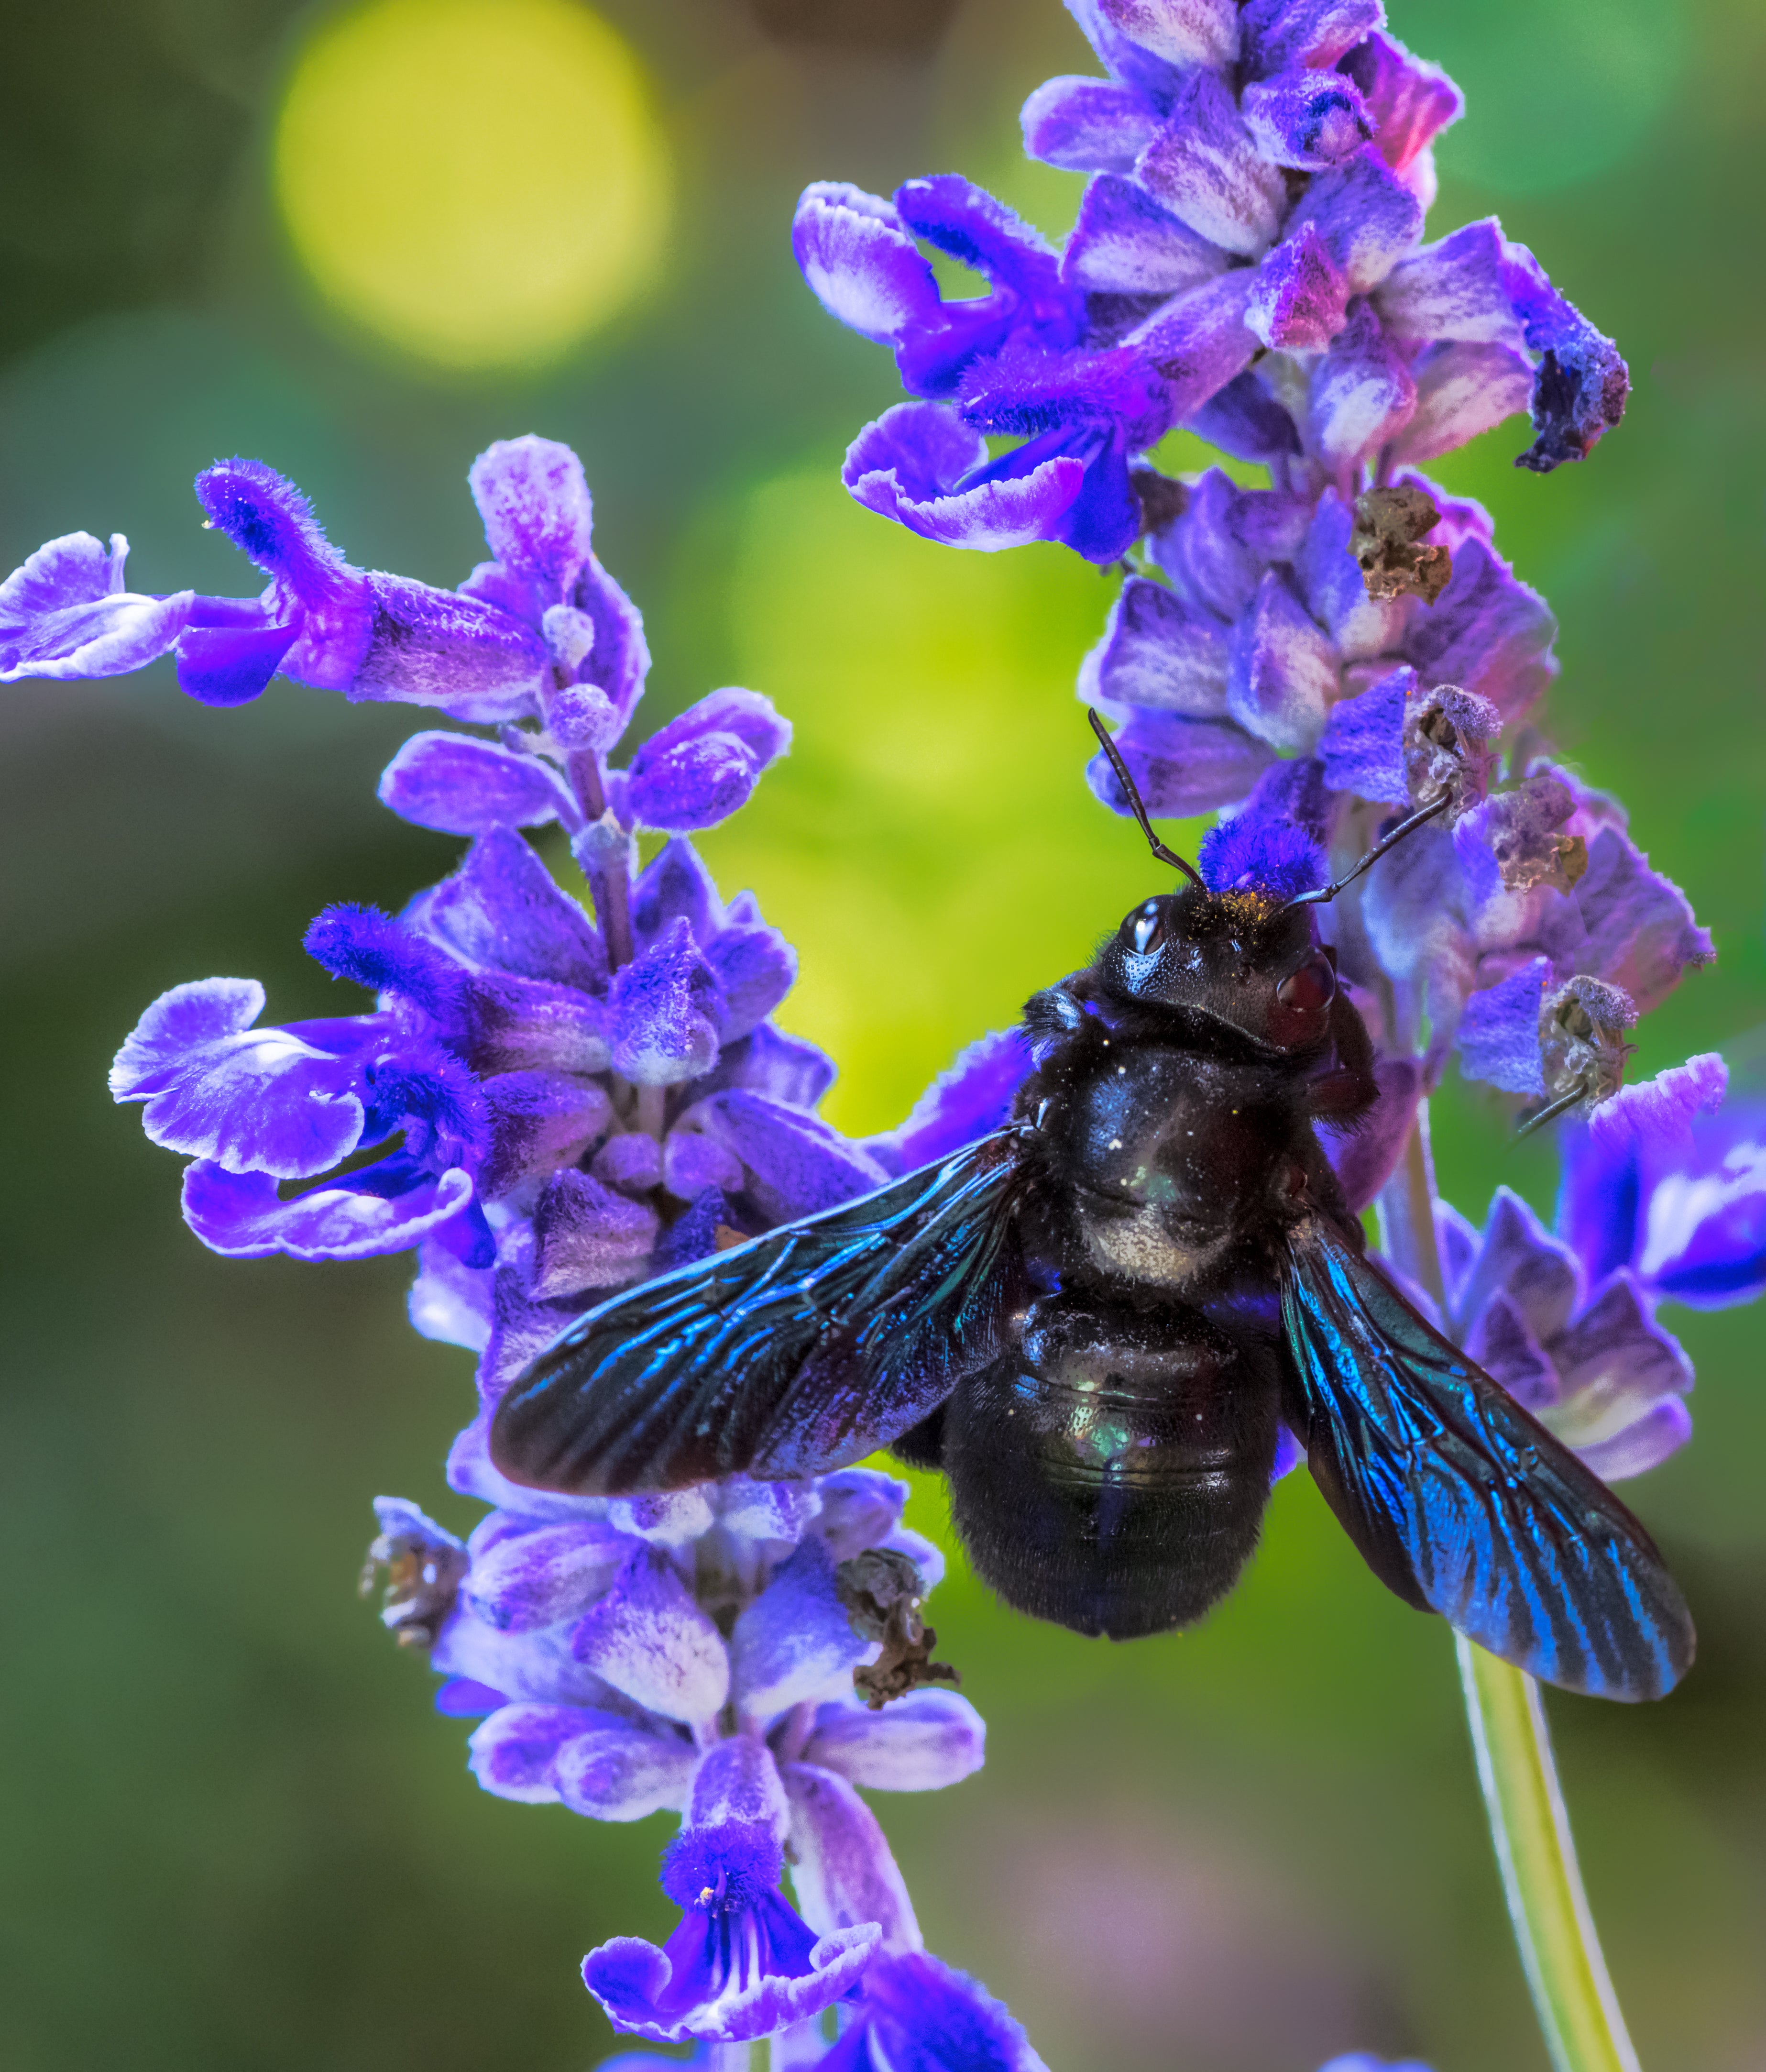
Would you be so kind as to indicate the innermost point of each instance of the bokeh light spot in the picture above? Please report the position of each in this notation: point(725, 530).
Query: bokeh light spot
point(482, 183)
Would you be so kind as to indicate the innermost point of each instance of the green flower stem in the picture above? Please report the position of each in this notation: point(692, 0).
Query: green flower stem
point(1560, 1952)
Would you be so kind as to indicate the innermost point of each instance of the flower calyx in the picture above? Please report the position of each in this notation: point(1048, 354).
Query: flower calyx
point(1388, 544)
point(882, 1591)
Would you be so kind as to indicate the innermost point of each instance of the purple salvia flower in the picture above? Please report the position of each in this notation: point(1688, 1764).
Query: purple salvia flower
point(590, 1635)
point(1662, 1196)
point(916, 2014)
point(1667, 1182)
point(1258, 194)
point(514, 1042)
point(1263, 642)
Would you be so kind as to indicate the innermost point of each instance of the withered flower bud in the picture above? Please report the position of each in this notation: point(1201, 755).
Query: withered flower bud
point(1524, 827)
point(423, 1577)
point(1448, 738)
point(1160, 498)
point(881, 1590)
point(1582, 1039)
point(1390, 525)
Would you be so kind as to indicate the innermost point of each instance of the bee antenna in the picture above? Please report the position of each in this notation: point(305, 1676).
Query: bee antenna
point(1326, 893)
point(1133, 797)
point(1579, 1092)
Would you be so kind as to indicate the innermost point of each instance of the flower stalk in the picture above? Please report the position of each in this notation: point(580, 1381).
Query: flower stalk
point(1560, 1952)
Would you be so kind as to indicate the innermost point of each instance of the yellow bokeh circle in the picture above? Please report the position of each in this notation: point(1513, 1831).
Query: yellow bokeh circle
point(481, 182)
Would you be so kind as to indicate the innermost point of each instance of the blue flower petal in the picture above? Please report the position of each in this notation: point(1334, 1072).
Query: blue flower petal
point(1499, 1031)
point(251, 1099)
point(1411, 100)
point(1306, 118)
point(842, 1870)
point(464, 786)
point(1205, 167)
point(538, 516)
point(1087, 125)
point(796, 1639)
point(502, 911)
point(922, 1742)
point(861, 263)
point(1181, 766)
point(703, 766)
point(65, 613)
point(796, 1162)
point(910, 465)
point(429, 647)
point(926, 2016)
point(1362, 747)
point(242, 1216)
point(231, 665)
point(1299, 301)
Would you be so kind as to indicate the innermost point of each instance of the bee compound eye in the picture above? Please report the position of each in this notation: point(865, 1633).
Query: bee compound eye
point(1148, 931)
point(1311, 988)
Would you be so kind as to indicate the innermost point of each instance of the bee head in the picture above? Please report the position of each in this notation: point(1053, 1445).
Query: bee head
point(1238, 943)
point(1241, 956)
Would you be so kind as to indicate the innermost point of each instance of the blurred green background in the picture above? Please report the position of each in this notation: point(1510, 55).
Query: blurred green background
point(231, 1833)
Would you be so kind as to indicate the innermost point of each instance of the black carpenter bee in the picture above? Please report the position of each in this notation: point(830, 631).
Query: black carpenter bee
point(1096, 1321)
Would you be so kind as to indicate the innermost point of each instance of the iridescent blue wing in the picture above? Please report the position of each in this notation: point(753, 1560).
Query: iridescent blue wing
point(795, 1354)
point(1458, 1499)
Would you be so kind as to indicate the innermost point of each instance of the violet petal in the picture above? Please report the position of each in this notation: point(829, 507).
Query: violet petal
point(464, 786)
point(922, 1742)
point(1180, 766)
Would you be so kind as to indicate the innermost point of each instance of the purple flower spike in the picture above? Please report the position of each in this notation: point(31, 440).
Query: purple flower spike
point(741, 1965)
point(65, 613)
point(918, 2015)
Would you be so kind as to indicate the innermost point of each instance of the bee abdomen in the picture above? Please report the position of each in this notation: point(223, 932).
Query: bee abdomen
point(1110, 1473)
